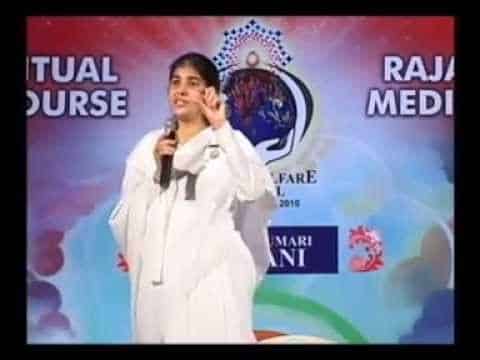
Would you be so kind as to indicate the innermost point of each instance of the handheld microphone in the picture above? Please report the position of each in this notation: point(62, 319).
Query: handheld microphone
point(164, 164)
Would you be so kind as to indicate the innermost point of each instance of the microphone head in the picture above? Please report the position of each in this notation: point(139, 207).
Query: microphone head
point(171, 124)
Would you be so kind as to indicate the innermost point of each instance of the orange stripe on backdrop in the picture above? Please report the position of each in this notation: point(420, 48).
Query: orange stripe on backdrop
point(267, 334)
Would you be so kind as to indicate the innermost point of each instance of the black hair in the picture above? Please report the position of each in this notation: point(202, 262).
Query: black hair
point(202, 64)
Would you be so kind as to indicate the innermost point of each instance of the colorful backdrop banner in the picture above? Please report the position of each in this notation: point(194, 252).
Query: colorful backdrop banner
point(354, 117)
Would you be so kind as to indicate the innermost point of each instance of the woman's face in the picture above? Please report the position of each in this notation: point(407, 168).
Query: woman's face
point(186, 84)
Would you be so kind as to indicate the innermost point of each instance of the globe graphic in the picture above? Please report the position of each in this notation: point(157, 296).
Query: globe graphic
point(260, 105)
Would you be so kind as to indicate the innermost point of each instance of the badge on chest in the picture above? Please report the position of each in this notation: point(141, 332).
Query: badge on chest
point(212, 152)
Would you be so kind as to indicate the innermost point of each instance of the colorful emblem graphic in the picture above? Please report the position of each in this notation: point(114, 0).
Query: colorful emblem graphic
point(369, 250)
point(270, 105)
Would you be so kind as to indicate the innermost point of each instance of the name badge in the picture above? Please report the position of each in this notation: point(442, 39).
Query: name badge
point(213, 151)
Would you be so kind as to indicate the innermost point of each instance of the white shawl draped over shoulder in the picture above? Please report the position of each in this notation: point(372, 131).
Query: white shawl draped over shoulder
point(254, 200)
point(128, 219)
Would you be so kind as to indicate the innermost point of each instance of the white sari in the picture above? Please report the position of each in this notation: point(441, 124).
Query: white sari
point(197, 250)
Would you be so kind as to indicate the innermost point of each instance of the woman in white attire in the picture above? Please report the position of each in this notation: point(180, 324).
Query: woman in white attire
point(196, 249)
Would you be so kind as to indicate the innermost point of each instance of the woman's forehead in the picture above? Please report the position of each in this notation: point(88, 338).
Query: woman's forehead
point(186, 71)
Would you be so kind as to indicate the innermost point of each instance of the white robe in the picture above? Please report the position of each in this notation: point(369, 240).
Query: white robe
point(195, 263)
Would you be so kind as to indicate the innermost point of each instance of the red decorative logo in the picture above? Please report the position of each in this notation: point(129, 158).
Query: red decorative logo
point(368, 240)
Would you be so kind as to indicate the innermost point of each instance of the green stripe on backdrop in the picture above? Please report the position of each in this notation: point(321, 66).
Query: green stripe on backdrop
point(318, 311)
